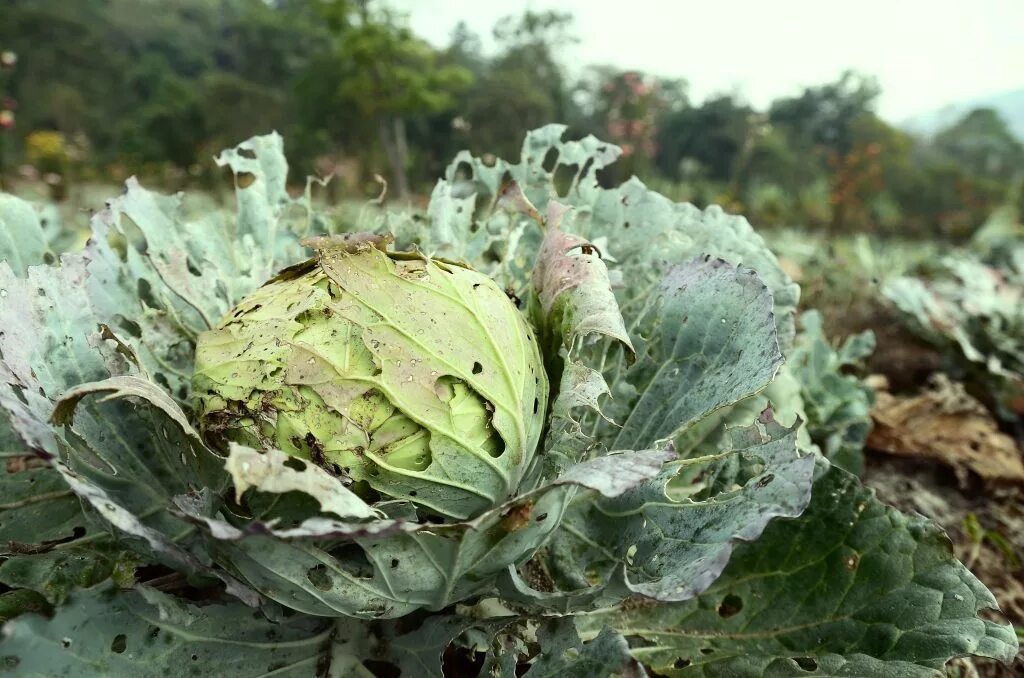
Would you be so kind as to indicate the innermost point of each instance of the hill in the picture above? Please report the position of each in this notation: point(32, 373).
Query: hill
point(1010, 106)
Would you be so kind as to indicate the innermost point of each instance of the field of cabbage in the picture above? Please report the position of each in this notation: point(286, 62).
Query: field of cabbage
point(525, 431)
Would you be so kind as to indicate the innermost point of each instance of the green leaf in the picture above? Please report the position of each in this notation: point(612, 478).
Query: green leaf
point(705, 340)
point(849, 587)
point(22, 243)
point(147, 633)
point(143, 632)
point(389, 568)
point(564, 654)
point(837, 405)
point(670, 537)
point(48, 544)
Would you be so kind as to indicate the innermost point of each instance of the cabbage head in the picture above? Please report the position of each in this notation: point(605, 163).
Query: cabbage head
point(403, 376)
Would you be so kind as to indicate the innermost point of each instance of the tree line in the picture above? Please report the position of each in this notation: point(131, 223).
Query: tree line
point(104, 88)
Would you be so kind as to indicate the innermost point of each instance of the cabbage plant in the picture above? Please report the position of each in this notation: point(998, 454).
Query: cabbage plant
point(546, 427)
point(974, 313)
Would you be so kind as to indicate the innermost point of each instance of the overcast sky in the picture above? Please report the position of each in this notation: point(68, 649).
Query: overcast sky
point(925, 53)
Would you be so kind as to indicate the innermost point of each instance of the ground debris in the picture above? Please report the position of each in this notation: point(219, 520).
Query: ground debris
point(945, 424)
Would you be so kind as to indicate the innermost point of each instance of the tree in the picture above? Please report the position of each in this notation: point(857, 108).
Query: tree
point(379, 69)
point(712, 135)
point(982, 142)
point(524, 86)
point(822, 117)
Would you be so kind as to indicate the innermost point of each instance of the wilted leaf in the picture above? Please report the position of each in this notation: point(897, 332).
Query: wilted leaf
point(271, 471)
point(947, 425)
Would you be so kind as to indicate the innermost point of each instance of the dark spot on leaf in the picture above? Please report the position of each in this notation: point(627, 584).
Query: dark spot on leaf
point(765, 480)
point(295, 463)
point(477, 368)
point(119, 643)
point(806, 663)
point(394, 563)
point(382, 669)
point(541, 518)
point(730, 605)
point(319, 578)
point(463, 172)
point(536, 405)
point(681, 663)
point(246, 153)
point(550, 159)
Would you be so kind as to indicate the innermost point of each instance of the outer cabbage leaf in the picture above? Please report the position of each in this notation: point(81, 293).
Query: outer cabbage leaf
point(837, 405)
point(148, 633)
point(706, 341)
point(851, 587)
point(564, 654)
point(22, 241)
point(645, 232)
point(143, 632)
point(370, 569)
point(49, 545)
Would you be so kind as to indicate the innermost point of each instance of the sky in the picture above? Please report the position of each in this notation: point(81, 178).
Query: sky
point(925, 53)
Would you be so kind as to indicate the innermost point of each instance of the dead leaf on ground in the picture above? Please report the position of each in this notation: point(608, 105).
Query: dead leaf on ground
point(947, 425)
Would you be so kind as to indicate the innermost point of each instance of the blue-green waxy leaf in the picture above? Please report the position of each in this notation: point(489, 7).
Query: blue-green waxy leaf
point(146, 633)
point(705, 340)
point(670, 537)
point(22, 243)
point(564, 654)
point(837, 405)
point(644, 232)
point(851, 587)
point(130, 304)
point(48, 544)
point(391, 567)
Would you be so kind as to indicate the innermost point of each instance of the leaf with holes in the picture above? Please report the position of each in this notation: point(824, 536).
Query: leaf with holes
point(851, 583)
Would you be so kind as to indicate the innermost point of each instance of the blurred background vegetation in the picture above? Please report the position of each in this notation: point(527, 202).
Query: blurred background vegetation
point(93, 91)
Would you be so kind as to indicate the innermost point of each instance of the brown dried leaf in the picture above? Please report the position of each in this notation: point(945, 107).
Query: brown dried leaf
point(947, 425)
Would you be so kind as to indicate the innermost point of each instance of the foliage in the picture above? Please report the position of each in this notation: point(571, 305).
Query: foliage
point(838, 405)
point(157, 91)
point(663, 493)
point(973, 309)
